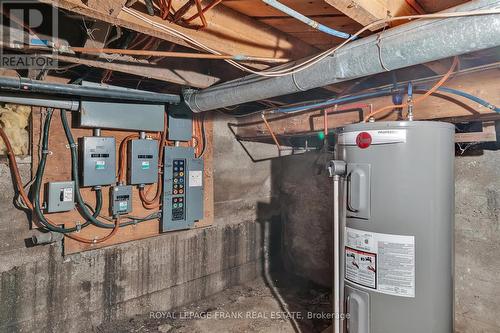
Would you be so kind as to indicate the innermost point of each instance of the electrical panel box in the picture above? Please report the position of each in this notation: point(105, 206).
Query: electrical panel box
point(183, 189)
point(143, 161)
point(132, 116)
point(121, 199)
point(98, 160)
point(180, 123)
point(60, 196)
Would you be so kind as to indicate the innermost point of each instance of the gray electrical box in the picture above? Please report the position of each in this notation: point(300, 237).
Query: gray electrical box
point(98, 160)
point(143, 161)
point(60, 196)
point(132, 116)
point(183, 189)
point(180, 123)
point(121, 199)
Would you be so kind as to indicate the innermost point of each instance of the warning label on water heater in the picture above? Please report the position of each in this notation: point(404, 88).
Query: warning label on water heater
point(381, 262)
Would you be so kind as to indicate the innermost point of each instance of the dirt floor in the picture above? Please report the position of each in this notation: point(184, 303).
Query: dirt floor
point(252, 307)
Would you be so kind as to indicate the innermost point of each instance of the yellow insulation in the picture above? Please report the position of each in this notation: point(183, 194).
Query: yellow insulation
point(14, 119)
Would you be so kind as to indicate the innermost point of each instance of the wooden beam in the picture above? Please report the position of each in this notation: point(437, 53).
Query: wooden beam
point(369, 11)
point(182, 72)
point(228, 31)
point(488, 134)
point(432, 6)
point(483, 84)
point(177, 71)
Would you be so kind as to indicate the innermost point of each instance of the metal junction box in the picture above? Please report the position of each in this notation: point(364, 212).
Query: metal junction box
point(143, 161)
point(132, 116)
point(60, 196)
point(98, 160)
point(183, 189)
point(121, 199)
point(180, 123)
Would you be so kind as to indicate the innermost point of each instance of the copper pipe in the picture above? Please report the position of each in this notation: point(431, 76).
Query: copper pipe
point(325, 122)
point(204, 10)
point(275, 139)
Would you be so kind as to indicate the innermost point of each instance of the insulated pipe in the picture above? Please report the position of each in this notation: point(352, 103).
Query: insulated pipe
point(67, 104)
point(122, 94)
point(406, 45)
point(304, 19)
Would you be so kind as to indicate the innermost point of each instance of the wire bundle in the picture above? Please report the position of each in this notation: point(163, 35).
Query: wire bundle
point(300, 66)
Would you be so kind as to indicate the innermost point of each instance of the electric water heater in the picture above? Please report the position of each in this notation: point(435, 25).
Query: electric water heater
point(396, 227)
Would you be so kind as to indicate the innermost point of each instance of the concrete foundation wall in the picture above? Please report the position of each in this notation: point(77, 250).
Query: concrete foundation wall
point(42, 291)
point(306, 215)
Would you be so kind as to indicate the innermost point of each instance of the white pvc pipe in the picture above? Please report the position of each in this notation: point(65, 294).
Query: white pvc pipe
point(336, 256)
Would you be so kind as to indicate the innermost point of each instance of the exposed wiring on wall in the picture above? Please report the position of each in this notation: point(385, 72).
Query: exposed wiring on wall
point(15, 169)
point(199, 141)
point(203, 135)
point(143, 194)
point(315, 59)
point(381, 92)
point(35, 206)
point(34, 203)
point(410, 103)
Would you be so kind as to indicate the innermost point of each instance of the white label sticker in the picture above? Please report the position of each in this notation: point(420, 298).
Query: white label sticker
point(195, 178)
point(67, 194)
point(100, 165)
point(145, 165)
point(378, 137)
point(122, 205)
point(382, 262)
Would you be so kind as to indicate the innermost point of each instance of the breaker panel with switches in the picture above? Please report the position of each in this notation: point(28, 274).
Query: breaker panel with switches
point(98, 160)
point(183, 189)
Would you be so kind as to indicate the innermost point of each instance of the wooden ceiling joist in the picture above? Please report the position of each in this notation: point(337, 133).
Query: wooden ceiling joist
point(228, 31)
point(369, 11)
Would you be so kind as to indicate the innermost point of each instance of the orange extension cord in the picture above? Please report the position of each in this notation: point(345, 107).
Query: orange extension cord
point(421, 98)
point(17, 179)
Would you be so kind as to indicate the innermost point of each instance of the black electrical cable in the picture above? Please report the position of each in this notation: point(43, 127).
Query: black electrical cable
point(74, 175)
point(38, 184)
point(78, 196)
point(204, 139)
point(132, 219)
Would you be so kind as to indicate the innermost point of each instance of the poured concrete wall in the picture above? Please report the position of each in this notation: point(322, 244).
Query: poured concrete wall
point(42, 291)
point(306, 215)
